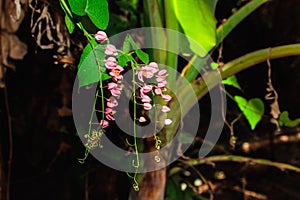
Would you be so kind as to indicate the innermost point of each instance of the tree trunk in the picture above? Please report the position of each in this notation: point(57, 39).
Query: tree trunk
point(152, 186)
point(2, 178)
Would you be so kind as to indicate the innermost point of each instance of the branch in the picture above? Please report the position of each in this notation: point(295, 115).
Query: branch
point(237, 159)
point(202, 85)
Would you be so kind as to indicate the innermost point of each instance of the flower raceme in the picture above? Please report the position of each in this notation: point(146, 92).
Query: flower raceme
point(146, 90)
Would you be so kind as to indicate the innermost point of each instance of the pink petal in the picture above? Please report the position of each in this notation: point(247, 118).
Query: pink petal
point(165, 109)
point(111, 50)
point(110, 117)
point(153, 67)
point(168, 121)
point(110, 63)
point(101, 36)
point(158, 91)
point(146, 99)
point(112, 85)
point(147, 106)
point(163, 73)
point(142, 119)
point(146, 88)
point(112, 102)
point(166, 97)
point(140, 76)
point(161, 84)
point(104, 123)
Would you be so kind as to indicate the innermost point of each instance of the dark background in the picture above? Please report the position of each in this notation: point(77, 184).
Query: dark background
point(46, 147)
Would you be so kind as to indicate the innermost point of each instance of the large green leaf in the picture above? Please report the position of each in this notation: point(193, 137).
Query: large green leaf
point(97, 11)
point(196, 17)
point(88, 70)
point(78, 6)
point(252, 109)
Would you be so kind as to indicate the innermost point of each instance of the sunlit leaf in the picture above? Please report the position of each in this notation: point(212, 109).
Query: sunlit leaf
point(284, 120)
point(88, 70)
point(78, 6)
point(97, 11)
point(232, 80)
point(196, 17)
point(252, 109)
point(70, 25)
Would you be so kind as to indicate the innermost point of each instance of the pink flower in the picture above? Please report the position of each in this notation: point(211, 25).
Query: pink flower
point(111, 50)
point(153, 67)
point(115, 73)
point(146, 98)
point(146, 88)
point(114, 89)
point(147, 71)
point(110, 62)
point(104, 123)
point(165, 109)
point(109, 112)
point(166, 97)
point(158, 91)
point(112, 102)
point(161, 84)
point(142, 119)
point(101, 36)
point(168, 121)
point(147, 106)
point(162, 75)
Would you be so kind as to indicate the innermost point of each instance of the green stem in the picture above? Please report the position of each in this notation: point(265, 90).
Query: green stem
point(238, 159)
point(172, 42)
point(226, 28)
point(201, 87)
point(137, 164)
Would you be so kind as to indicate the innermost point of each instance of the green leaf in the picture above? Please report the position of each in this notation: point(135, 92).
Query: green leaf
point(97, 11)
point(123, 59)
point(232, 80)
point(88, 70)
point(70, 25)
point(196, 17)
point(284, 120)
point(78, 6)
point(144, 57)
point(214, 65)
point(252, 109)
point(126, 44)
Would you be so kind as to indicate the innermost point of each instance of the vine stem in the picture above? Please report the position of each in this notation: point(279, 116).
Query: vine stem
point(237, 159)
point(134, 125)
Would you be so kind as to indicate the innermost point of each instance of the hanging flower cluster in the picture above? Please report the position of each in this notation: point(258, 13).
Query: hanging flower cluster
point(114, 70)
point(149, 71)
point(145, 72)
